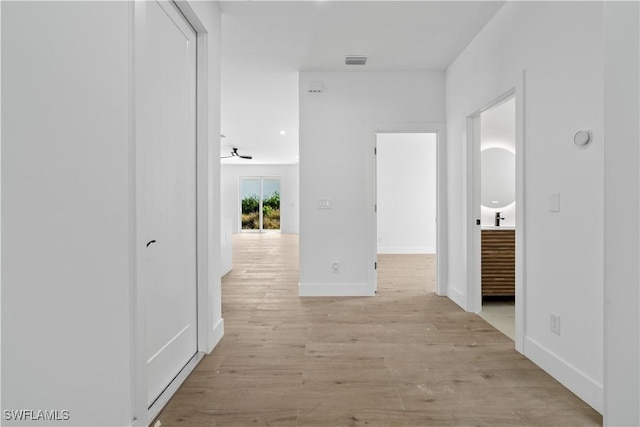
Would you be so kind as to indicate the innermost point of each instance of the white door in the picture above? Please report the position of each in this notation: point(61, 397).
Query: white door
point(167, 191)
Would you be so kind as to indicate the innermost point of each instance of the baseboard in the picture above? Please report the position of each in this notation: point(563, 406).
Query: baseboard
point(335, 290)
point(456, 296)
point(171, 389)
point(216, 335)
point(409, 250)
point(224, 270)
point(569, 376)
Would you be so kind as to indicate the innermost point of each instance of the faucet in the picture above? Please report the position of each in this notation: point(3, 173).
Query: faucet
point(498, 218)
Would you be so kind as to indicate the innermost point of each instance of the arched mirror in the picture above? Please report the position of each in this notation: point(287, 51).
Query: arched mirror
point(498, 177)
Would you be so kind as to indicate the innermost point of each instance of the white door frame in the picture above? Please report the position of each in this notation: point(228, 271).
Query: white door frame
point(472, 203)
point(441, 198)
point(206, 336)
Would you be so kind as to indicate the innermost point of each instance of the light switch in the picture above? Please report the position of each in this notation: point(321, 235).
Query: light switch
point(324, 203)
point(554, 202)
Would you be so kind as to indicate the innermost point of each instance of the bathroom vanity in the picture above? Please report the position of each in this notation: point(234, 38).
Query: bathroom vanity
point(498, 241)
point(498, 261)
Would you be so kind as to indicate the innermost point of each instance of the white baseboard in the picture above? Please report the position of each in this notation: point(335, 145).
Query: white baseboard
point(224, 270)
point(406, 250)
point(217, 334)
point(575, 380)
point(171, 389)
point(335, 290)
point(457, 296)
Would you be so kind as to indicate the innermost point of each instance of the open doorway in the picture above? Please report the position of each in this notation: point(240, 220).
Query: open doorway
point(496, 146)
point(406, 207)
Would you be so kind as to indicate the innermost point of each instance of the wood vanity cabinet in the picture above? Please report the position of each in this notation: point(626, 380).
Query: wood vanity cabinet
point(498, 263)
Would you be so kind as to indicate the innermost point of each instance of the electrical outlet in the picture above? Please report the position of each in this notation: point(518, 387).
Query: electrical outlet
point(555, 323)
point(336, 267)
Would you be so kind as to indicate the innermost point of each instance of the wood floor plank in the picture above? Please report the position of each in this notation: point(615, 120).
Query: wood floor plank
point(405, 357)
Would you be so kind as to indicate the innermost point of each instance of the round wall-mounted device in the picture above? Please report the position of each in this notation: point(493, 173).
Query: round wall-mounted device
point(582, 137)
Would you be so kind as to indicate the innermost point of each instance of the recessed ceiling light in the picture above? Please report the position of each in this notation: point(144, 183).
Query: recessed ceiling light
point(282, 132)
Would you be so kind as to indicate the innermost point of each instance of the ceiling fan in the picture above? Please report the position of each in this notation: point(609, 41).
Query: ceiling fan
point(234, 153)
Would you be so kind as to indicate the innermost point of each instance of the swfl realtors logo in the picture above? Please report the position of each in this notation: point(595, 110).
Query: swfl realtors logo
point(36, 415)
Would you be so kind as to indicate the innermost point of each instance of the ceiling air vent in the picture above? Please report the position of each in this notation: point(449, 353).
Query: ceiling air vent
point(315, 87)
point(355, 60)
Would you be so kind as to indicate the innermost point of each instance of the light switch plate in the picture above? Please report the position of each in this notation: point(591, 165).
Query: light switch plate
point(554, 202)
point(324, 204)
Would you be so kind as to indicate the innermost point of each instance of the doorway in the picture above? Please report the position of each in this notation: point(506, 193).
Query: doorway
point(495, 209)
point(406, 202)
point(498, 215)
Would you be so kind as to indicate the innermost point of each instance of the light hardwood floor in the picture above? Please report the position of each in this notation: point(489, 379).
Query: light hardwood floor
point(403, 358)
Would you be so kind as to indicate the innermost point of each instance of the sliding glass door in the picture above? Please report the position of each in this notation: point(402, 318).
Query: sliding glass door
point(250, 191)
point(271, 203)
point(260, 203)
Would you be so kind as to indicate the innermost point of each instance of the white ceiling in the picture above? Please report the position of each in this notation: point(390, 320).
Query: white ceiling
point(266, 43)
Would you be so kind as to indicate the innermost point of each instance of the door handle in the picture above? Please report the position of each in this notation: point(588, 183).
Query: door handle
point(150, 242)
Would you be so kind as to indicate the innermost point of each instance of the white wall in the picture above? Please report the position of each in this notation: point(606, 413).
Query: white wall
point(406, 193)
point(68, 240)
point(66, 307)
point(230, 201)
point(337, 137)
point(562, 59)
point(622, 210)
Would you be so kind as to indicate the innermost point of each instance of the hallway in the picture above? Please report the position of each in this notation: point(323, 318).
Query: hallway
point(403, 358)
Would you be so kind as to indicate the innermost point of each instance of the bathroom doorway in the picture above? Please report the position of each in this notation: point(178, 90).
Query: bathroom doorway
point(498, 215)
point(495, 236)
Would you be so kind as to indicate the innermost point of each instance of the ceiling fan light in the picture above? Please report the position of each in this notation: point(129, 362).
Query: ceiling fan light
point(234, 153)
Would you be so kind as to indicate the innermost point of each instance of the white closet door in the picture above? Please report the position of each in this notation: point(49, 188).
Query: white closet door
point(167, 191)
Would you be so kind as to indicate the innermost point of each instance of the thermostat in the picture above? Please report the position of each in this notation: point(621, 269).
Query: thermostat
point(582, 137)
